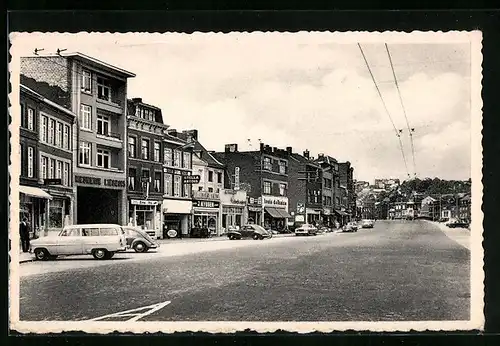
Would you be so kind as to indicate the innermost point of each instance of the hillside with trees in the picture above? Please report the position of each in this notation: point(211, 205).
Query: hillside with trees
point(435, 186)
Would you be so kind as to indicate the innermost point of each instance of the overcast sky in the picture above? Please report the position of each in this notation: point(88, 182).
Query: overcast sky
point(308, 93)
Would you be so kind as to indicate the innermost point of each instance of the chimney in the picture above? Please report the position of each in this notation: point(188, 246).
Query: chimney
point(306, 154)
point(190, 135)
point(289, 150)
point(275, 150)
point(321, 155)
point(267, 148)
point(262, 146)
point(137, 100)
point(231, 148)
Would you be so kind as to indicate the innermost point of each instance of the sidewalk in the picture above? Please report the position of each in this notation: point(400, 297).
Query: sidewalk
point(458, 235)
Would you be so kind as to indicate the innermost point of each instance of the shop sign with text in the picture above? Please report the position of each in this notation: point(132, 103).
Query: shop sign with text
point(143, 202)
point(275, 201)
point(205, 204)
point(99, 181)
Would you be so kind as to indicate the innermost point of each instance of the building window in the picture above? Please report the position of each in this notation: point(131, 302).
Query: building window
point(131, 147)
point(282, 166)
point(52, 168)
point(210, 189)
point(31, 158)
point(59, 170)
point(145, 149)
point(44, 126)
point(31, 119)
point(52, 125)
point(44, 163)
point(66, 179)
point(168, 184)
point(219, 178)
point(59, 135)
point(268, 165)
point(157, 152)
point(103, 125)
point(177, 185)
point(85, 154)
point(86, 81)
point(103, 89)
point(177, 158)
point(137, 111)
point(22, 115)
point(131, 178)
point(267, 188)
point(103, 158)
point(186, 190)
point(85, 117)
point(210, 176)
point(186, 163)
point(157, 181)
point(282, 189)
point(66, 137)
point(167, 156)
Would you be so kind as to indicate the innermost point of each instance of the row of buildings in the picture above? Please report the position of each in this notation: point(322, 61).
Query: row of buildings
point(89, 154)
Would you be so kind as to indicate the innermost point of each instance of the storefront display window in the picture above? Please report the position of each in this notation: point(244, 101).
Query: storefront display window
point(56, 213)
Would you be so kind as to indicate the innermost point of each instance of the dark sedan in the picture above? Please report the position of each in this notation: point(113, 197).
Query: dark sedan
point(249, 231)
point(139, 240)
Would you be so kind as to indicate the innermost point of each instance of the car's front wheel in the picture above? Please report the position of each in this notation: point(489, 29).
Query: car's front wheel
point(100, 254)
point(140, 247)
point(41, 254)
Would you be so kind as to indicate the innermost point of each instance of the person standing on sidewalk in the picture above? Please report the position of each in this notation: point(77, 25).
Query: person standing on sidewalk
point(24, 233)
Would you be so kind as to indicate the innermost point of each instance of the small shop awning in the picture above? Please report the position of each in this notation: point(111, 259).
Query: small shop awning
point(34, 192)
point(274, 212)
point(284, 213)
point(341, 213)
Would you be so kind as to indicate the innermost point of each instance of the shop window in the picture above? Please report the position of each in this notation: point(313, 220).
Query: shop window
point(87, 81)
point(210, 176)
point(145, 149)
point(131, 147)
point(84, 154)
point(219, 178)
point(56, 213)
point(186, 163)
point(167, 184)
point(103, 89)
point(267, 187)
point(103, 158)
point(157, 151)
point(66, 137)
point(177, 158)
point(282, 189)
point(282, 167)
point(177, 185)
point(43, 131)
point(268, 165)
point(157, 181)
point(31, 159)
point(31, 119)
point(103, 124)
point(85, 118)
point(167, 156)
point(131, 178)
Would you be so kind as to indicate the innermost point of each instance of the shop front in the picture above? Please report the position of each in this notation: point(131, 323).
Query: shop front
point(33, 205)
point(255, 211)
point(275, 212)
point(206, 215)
point(100, 200)
point(342, 217)
point(327, 217)
point(313, 216)
point(59, 207)
point(176, 218)
point(146, 214)
point(233, 208)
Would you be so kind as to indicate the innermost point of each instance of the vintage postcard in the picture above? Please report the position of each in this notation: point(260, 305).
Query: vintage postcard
point(310, 181)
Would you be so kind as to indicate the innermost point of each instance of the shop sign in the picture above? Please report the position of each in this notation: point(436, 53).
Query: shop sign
point(98, 181)
point(205, 204)
point(236, 178)
point(257, 201)
point(206, 195)
point(52, 182)
point(237, 201)
point(257, 209)
point(273, 201)
point(300, 208)
point(114, 183)
point(299, 218)
point(172, 233)
point(190, 179)
point(143, 202)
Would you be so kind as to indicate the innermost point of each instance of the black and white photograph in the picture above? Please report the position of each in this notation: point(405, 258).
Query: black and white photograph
point(310, 181)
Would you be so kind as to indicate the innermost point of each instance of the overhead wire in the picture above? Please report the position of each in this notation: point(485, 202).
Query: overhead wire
point(410, 130)
point(398, 134)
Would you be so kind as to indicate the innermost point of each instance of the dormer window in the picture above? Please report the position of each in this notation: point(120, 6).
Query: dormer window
point(103, 89)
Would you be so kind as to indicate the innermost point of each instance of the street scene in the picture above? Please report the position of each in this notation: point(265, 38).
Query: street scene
point(161, 179)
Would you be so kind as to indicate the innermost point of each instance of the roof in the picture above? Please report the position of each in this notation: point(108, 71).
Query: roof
point(302, 159)
point(90, 59)
point(47, 101)
point(207, 156)
point(172, 139)
point(326, 159)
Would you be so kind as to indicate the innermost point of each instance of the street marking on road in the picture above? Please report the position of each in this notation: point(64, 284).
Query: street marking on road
point(135, 314)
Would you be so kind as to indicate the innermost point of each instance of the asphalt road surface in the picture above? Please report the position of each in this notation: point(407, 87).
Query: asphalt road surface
point(397, 271)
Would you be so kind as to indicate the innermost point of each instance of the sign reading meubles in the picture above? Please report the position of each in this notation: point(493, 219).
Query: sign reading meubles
point(98, 181)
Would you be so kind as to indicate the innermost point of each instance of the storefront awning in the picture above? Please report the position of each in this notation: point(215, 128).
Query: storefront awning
point(284, 213)
point(171, 206)
point(278, 213)
point(34, 192)
point(341, 213)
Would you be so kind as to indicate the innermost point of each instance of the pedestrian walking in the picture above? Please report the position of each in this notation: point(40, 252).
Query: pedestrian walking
point(24, 233)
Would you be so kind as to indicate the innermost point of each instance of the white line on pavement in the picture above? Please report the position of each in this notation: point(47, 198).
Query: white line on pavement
point(134, 312)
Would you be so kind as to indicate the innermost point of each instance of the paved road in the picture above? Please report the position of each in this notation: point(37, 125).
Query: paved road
point(397, 271)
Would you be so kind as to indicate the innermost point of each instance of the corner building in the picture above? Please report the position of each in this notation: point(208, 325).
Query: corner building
point(97, 92)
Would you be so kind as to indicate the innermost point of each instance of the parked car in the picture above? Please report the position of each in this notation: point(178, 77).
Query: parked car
point(306, 229)
point(457, 223)
point(350, 227)
point(366, 224)
point(139, 240)
point(249, 231)
point(99, 240)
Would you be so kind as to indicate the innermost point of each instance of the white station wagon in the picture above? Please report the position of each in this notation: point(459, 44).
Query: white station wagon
point(100, 240)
